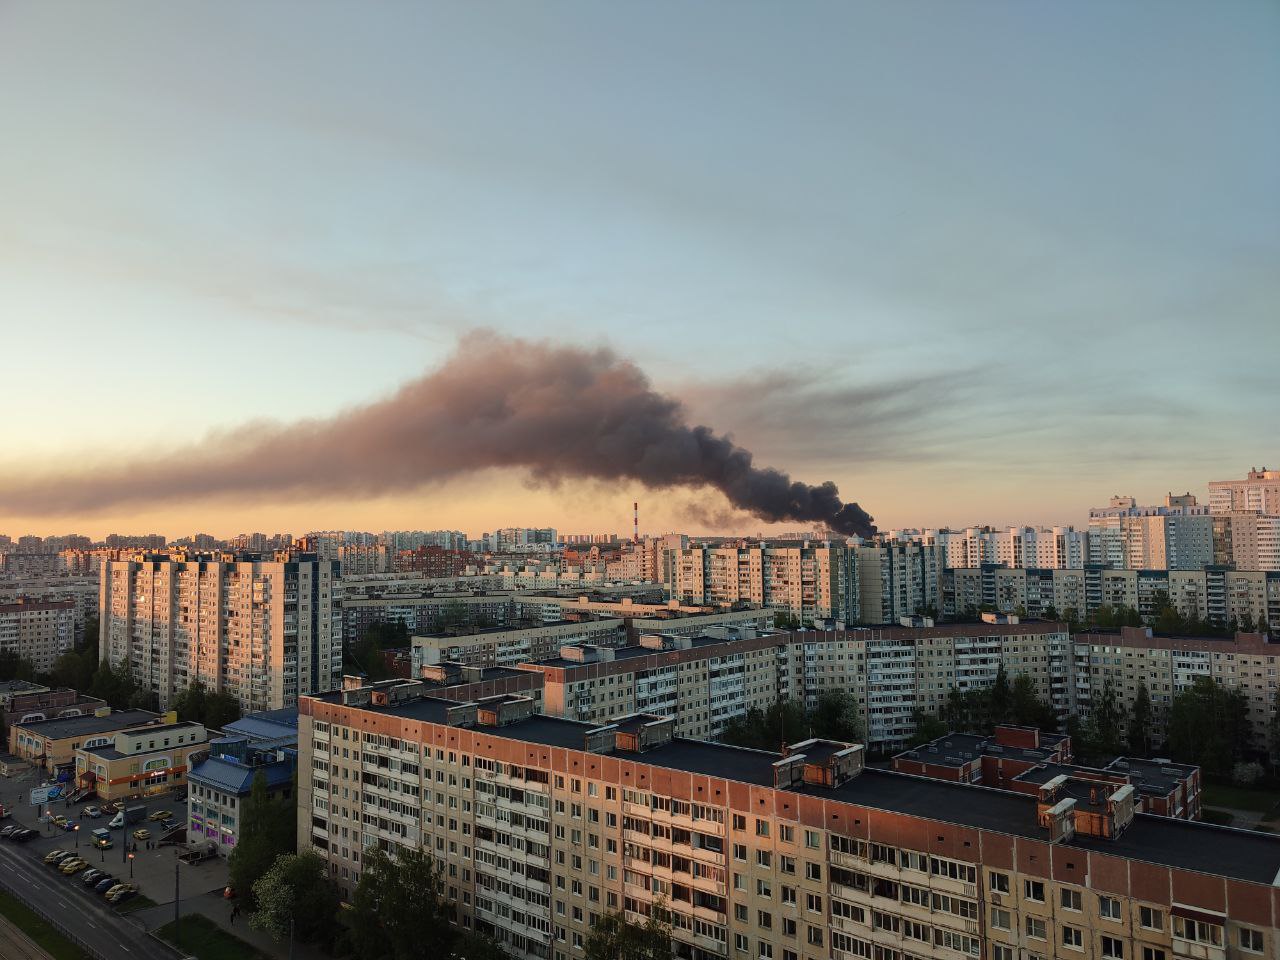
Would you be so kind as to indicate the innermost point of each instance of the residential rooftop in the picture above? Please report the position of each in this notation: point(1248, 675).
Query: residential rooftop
point(1220, 851)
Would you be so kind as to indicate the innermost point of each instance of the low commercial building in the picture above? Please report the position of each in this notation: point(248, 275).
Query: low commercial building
point(141, 761)
point(52, 744)
point(221, 778)
point(24, 703)
point(543, 824)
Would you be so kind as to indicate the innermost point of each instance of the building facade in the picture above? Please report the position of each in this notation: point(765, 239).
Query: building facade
point(1258, 492)
point(544, 824)
point(140, 761)
point(263, 631)
point(39, 631)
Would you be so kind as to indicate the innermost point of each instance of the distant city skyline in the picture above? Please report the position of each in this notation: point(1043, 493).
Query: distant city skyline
point(990, 264)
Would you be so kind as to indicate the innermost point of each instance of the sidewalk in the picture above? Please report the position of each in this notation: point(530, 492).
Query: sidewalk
point(212, 905)
point(16, 945)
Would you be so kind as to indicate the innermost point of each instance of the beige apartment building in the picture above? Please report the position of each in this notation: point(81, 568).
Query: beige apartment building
point(814, 582)
point(504, 646)
point(543, 824)
point(39, 631)
point(1246, 540)
point(1169, 665)
point(263, 631)
point(1216, 595)
point(1258, 492)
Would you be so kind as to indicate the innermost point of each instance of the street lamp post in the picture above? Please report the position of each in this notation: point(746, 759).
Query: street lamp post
point(177, 923)
point(75, 832)
point(131, 866)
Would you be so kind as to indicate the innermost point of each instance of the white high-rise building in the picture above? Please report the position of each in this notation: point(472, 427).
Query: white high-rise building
point(1176, 535)
point(1258, 492)
point(264, 631)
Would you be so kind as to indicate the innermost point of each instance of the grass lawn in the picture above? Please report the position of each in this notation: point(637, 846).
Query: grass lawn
point(1239, 798)
point(49, 939)
point(138, 901)
point(205, 940)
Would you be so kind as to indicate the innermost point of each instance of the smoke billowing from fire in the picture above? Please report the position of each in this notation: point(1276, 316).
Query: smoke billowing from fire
point(558, 412)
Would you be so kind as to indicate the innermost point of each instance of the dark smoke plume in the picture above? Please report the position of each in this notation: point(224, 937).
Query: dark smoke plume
point(558, 412)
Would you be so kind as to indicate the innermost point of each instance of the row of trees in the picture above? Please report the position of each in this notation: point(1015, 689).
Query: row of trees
point(833, 717)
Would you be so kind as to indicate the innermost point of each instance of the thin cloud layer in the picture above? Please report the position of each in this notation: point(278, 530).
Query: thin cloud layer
point(554, 411)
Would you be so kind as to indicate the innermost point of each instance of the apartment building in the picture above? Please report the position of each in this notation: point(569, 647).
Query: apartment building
point(543, 824)
point(892, 581)
point(700, 682)
point(1176, 535)
point(1042, 547)
point(1246, 540)
point(39, 631)
point(502, 646)
point(808, 581)
point(1258, 492)
point(1166, 666)
point(1216, 595)
point(262, 630)
point(358, 559)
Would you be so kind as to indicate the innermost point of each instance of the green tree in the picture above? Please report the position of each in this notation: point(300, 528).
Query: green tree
point(474, 946)
point(1209, 726)
point(295, 898)
point(190, 703)
point(1107, 724)
point(835, 717)
point(783, 620)
point(1000, 698)
point(268, 829)
point(614, 937)
point(1140, 723)
point(1273, 729)
point(14, 667)
point(117, 687)
point(220, 709)
point(928, 728)
point(1027, 709)
point(399, 906)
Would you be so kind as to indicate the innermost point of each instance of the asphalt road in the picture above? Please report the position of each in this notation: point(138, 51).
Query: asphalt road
point(24, 874)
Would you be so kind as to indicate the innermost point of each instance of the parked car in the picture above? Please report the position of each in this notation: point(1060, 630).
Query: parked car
point(90, 877)
point(5, 831)
point(104, 883)
point(59, 821)
point(70, 825)
point(73, 865)
point(53, 856)
point(161, 815)
point(22, 836)
point(93, 813)
point(114, 893)
point(142, 834)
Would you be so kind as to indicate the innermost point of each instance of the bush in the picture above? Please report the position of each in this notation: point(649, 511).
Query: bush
point(1247, 774)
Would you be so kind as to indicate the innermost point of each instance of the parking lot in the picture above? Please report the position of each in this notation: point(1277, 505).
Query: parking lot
point(152, 869)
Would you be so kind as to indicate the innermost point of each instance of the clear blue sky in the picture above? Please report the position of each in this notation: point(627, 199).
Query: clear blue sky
point(1044, 238)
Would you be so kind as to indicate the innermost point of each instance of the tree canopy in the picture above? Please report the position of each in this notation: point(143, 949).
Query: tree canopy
point(296, 892)
point(399, 905)
point(614, 937)
point(197, 703)
point(1209, 726)
point(834, 717)
point(268, 829)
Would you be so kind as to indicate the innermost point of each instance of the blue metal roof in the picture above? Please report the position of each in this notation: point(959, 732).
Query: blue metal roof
point(237, 778)
point(268, 725)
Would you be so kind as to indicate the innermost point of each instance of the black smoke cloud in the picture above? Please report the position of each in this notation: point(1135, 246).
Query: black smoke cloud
point(559, 412)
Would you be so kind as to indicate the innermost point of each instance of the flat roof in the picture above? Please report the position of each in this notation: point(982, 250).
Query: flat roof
point(86, 725)
point(632, 652)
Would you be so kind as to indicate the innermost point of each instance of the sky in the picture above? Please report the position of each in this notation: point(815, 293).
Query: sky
point(978, 262)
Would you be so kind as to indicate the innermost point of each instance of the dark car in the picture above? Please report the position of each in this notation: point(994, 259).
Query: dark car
point(104, 884)
point(91, 877)
point(22, 836)
point(5, 831)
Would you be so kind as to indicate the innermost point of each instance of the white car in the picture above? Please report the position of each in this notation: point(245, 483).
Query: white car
point(93, 813)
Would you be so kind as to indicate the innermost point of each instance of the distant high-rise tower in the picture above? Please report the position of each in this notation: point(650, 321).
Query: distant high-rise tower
point(636, 509)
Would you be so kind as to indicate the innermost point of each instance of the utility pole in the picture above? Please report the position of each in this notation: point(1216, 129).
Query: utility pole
point(177, 927)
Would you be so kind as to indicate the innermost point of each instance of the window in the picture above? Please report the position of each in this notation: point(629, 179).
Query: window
point(1113, 947)
point(1072, 938)
point(739, 822)
point(1033, 890)
point(1071, 900)
point(811, 839)
point(1197, 931)
point(814, 903)
point(1001, 952)
point(740, 912)
point(762, 828)
point(740, 852)
point(1151, 918)
point(1109, 908)
point(813, 871)
point(764, 920)
point(1036, 928)
point(1000, 919)
point(999, 882)
point(1250, 939)
point(1152, 953)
